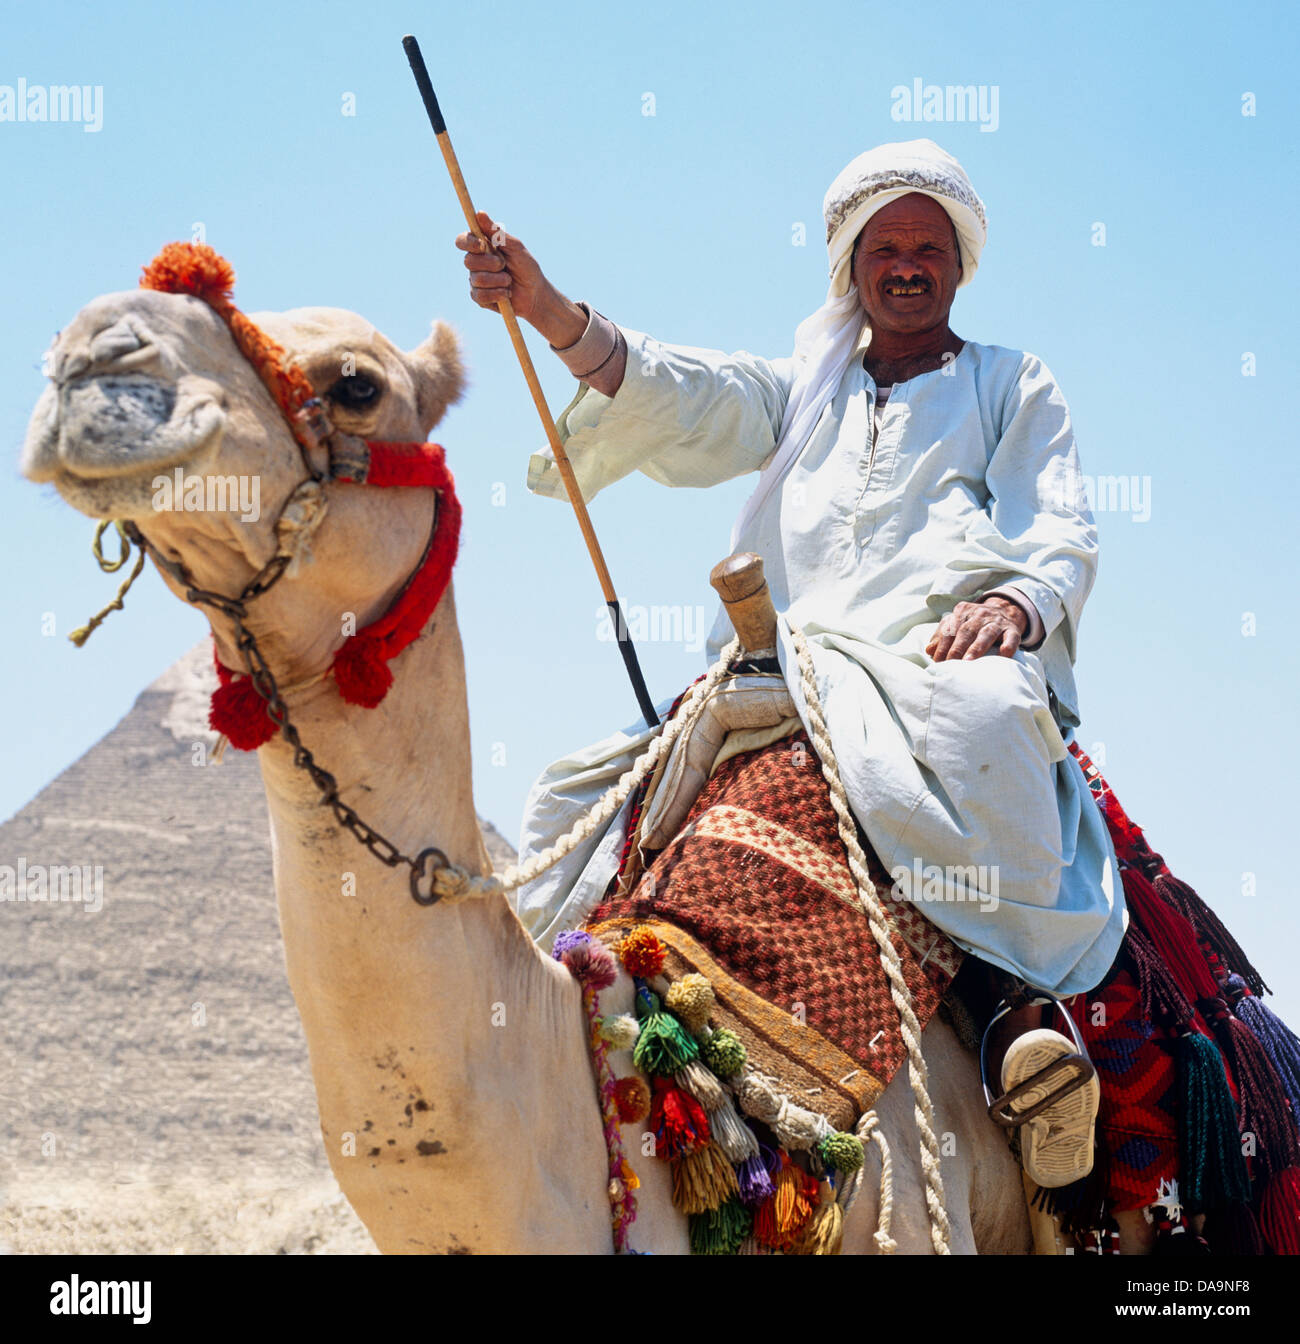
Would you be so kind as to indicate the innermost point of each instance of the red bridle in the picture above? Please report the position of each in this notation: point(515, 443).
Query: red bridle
point(360, 666)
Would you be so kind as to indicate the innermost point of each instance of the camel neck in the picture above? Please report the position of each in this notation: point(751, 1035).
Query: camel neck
point(430, 1029)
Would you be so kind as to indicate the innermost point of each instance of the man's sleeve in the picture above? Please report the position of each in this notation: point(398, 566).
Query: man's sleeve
point(1037, 532)
point(683, 416)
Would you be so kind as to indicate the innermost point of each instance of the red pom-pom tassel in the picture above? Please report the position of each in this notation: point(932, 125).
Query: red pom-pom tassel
point(237, 710)
point(362, 674)
point(632, 1098)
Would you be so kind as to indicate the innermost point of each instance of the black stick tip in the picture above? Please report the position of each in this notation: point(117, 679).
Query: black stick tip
point(421, 73)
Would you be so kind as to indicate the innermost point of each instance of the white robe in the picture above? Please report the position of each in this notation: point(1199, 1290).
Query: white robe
point(971, 482)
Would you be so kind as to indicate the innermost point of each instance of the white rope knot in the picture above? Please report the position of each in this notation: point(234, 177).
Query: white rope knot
point(454, 884)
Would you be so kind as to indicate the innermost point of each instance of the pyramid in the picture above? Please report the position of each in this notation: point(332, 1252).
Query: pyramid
point(154, 1085)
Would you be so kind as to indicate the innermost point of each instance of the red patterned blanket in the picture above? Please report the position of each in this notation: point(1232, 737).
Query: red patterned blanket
point(755, 893)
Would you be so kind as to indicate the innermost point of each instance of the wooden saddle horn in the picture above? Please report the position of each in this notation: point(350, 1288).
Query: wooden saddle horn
point(741, 585)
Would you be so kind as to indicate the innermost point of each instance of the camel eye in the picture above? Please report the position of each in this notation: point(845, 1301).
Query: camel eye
point(354, 393)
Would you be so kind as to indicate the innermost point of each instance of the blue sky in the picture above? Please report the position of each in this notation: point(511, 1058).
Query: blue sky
point(684, 224)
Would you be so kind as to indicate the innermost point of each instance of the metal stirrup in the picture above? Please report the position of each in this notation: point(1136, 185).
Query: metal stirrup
point(1078, 1065)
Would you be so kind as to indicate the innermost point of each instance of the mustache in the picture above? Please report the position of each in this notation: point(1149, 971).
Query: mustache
point(911, 281)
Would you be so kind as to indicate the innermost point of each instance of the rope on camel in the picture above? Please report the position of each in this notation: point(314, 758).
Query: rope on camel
point(918, 1074)
point(869, 1128)
point(454, 883)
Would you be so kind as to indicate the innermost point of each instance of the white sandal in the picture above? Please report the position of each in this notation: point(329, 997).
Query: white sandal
point(1050, 1093)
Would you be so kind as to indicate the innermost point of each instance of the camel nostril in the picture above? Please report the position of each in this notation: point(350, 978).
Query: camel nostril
point(112, 347)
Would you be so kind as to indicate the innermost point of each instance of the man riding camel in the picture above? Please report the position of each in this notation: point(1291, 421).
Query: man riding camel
point(919, 517)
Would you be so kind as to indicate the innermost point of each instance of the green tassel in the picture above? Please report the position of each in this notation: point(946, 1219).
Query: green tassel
point(1212, 1170)
point(724, 1053)
point(664, 1046)
point(721, 1230)
point(841, 1152)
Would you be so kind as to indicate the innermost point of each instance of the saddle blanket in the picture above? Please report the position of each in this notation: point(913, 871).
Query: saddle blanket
point(755, 893)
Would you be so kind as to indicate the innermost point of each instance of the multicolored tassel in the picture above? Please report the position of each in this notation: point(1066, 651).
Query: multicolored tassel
point(1279, 1213)
point(779, 1220)
point(1280, 1044)
point(824, 1232)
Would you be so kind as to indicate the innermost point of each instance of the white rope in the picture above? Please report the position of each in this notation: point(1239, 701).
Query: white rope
point(878, 920)
point(454, 883)
point(869, 1128)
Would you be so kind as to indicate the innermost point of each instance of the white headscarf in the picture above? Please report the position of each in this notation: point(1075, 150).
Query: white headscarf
point(825, 341)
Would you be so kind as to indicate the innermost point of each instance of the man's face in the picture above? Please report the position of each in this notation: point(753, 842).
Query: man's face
point(906, 265)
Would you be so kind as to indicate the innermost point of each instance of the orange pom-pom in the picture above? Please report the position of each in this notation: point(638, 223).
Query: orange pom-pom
point(191, 268)
point(632, 1098)
point(642, 954)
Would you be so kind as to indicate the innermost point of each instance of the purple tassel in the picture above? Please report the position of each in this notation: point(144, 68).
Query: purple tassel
point(1262, 1110)
point(1280, 1043)
point(590, 962)
point(755, 1183)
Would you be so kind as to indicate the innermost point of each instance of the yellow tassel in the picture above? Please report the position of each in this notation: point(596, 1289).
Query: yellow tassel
point(824, 1234)
point(792, 1206)
point(702, 1179)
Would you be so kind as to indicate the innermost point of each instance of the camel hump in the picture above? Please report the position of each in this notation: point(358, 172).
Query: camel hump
point(741, 585)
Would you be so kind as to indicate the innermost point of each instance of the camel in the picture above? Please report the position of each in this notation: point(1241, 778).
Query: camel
point(448, 1052)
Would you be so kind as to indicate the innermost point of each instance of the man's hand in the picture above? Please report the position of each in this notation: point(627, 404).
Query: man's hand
point(504, 268)
point(972, 629)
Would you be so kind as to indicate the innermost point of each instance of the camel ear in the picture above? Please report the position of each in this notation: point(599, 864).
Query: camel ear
point(438, 374)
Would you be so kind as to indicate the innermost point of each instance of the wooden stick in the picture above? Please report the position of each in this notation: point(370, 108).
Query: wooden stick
point(421, 73)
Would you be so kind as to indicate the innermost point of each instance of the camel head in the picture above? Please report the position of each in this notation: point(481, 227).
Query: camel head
point(154, 415)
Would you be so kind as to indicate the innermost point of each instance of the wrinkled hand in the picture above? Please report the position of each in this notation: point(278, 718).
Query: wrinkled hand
point(504, 268)
point(972, 629)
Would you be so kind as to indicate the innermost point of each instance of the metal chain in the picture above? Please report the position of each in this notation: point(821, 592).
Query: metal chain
point(423, 865)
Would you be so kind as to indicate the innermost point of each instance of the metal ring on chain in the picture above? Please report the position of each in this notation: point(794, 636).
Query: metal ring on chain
point(431, 859)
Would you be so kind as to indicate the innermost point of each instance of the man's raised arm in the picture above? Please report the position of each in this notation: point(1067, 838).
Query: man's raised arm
point(682, 415)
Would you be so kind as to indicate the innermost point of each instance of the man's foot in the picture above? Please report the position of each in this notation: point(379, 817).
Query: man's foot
point(1056, 1145)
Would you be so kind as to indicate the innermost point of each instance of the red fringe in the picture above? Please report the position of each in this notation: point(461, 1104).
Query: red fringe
point(1173, 937)
point(1279, 1213)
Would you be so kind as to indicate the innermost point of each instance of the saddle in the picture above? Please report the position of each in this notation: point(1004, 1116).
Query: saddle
point(735, 865)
